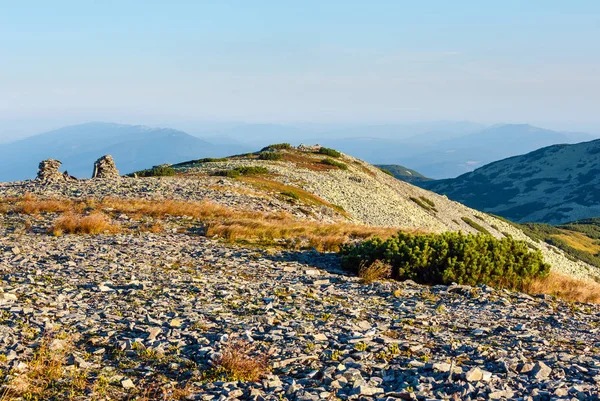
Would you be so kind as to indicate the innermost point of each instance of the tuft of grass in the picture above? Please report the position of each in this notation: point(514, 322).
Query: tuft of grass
point(375, 271)
point(270, 156)
point(239, 361)
point(95, 223)
point(45, 375)
point(329, 152)
point(476, 226)
point(566, 288)
point(331, 162)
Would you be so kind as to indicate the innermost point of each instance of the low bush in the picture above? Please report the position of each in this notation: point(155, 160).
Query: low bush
point(291, 195)
point(157, 171)
point(270, 156)
point(476, 226)
point(243, 170)
point(331, 162)
point(424, 203)
point(386, 171)
point(450, 257)
point(227, 173)
point(200, 161)
point(329, 152)
point(279, 146)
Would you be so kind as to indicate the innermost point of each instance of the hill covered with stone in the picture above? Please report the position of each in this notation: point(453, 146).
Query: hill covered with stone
point(213, 279)
point(555, 184)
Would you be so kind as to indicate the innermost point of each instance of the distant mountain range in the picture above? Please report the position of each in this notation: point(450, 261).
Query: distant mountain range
point(555, 184)
point(404, 174)
point(437, 150)
point(133, 147)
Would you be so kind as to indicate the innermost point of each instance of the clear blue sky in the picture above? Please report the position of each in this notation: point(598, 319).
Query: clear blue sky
point(535, 61)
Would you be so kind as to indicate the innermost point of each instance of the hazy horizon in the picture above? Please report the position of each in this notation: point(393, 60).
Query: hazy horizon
point(332, 62)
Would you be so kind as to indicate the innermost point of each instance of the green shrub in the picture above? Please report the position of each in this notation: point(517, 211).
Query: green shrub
point(331, 162)
point(200, 161)
point(227, 173)
point(424, 203)
point(156, 171)
point(279, 146)
point(329, 152)
point(243, 170)
point(290, 194)
point(270, 156)
point(476, 226)
point(450, 257)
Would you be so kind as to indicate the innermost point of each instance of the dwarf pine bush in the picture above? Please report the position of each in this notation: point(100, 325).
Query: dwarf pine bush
point(270, 156)
point(329, 152)
point(451, 257)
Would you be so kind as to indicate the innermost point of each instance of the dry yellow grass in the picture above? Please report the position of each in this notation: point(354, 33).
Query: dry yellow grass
point(566, 288)
point(232, 224)
point(45, 375)
point(266, 184)
point(95, 223)
point(375, 271)
point(579, 241)
point(237, 362)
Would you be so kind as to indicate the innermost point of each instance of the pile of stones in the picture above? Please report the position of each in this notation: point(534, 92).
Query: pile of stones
point(105, 167)
point(48, 171)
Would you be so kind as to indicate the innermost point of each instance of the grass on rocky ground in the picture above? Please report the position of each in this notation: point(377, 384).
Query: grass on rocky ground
point(566, 288)
point(45, 375)
point(238, 361)
point(271, 229)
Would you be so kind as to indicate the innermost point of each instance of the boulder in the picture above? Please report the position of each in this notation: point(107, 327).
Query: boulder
point(105, 167)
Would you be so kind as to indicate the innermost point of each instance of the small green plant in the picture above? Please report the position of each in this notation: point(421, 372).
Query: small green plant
point(278, 146)
point(156, 171)
point(243, 170)
point(270, 156)
point(361, 346)
point(424, 203)
point(331, 162)
point(329, 152)
point(200, 161)
point(476, 226)
point(290, 194)
point(386, 171)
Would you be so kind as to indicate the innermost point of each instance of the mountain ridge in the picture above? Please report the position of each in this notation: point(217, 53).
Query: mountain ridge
point(555, 184)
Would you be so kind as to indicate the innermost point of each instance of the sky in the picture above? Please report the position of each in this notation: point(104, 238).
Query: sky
point(324, 61)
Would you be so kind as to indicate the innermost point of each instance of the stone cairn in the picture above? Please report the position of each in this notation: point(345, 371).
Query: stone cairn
point(105, 167)
point(48, 171)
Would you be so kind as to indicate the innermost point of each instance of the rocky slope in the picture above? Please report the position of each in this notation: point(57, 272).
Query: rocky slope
point(554, 185)
point(158, 309)
point(364, 193)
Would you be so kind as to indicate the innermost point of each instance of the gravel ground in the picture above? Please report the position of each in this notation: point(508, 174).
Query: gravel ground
point(148, 306)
